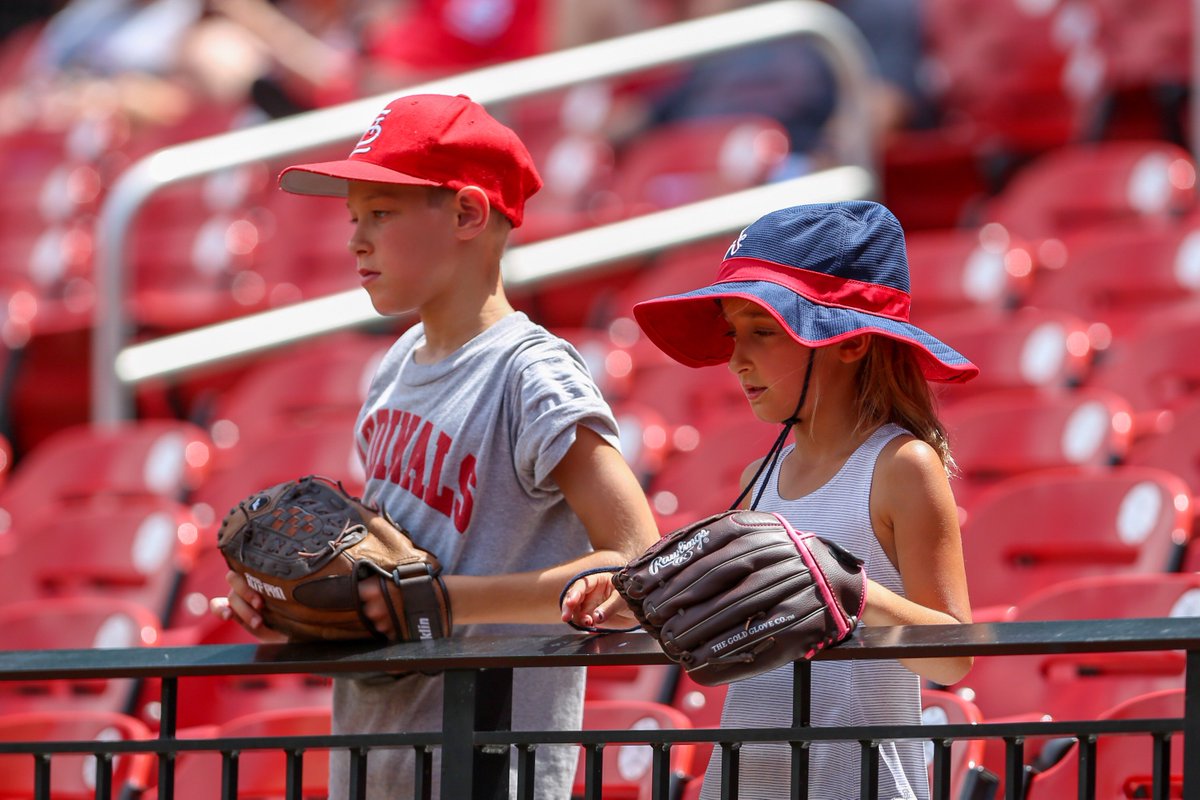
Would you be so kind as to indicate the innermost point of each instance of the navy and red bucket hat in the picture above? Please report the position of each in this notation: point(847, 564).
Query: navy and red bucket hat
point(825, 272)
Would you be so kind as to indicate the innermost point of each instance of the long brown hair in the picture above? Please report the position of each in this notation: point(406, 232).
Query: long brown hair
point(891, 388)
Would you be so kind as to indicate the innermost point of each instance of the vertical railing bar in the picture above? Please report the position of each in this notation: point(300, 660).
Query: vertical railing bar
point(526, 770)
point(294, 787)
point(104, 776)
point(799, 776)
point(168, 704)
point(1162, 767)
point(660, 771)
point(41, 776)
point(593, 771)
point(801, 718)
point(1014, 767)
point(357, 779)
point(730, 769)
point(1087, 766)
point(868, 779)
point(941, 769)
point(423, 777)
point(229, 774)
point(1191, 722)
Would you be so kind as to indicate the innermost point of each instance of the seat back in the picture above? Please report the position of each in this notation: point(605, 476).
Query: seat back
point(627, 770)
point(1030, 348)
point(995, 436)
point(134, 549)
point(77, 623)
point(1082, 686)
point(1124, 763)
point(683, 162)
point(262, 774)
point(1095, 184)
point(153, 457)
point(1031, 531)
point(946, 708)
point(72, 777)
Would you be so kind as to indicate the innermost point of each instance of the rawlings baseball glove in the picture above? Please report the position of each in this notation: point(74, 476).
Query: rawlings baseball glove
point(741, 593)
point(305, 545)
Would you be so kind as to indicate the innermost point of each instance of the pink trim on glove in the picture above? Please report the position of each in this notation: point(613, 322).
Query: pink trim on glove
point(819, 578)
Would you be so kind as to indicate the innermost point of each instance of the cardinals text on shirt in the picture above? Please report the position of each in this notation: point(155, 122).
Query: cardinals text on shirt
point(406, 450)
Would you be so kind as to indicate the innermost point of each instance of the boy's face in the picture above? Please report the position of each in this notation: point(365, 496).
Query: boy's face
point(403, 242)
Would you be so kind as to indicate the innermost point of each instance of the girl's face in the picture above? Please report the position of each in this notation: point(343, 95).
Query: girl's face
point(768, 362)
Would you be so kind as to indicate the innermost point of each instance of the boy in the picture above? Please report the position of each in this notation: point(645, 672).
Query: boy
point(482, 433)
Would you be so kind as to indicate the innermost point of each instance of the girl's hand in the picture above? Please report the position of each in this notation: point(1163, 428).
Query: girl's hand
point(592, 602)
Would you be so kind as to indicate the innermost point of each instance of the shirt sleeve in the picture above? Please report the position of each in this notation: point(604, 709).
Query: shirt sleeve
point(554, 393)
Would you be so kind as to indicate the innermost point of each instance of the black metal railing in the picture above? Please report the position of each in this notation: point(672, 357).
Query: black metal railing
point(478, 749)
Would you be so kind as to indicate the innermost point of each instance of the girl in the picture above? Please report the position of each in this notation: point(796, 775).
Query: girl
point(810, 312)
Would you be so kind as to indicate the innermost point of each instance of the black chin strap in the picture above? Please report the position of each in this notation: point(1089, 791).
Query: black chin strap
point(772, 457)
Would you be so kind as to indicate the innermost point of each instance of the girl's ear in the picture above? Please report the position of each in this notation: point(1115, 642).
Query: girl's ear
point(853, 349)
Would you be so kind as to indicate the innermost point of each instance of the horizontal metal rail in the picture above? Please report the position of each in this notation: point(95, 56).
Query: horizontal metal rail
point(478, 672)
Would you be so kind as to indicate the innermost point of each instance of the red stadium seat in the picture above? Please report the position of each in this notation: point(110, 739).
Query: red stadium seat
point(1144, 65)
point(683, 162)
point(677, 270)
point(77, 623)
point(998, 435)
point(940, 707)
point(576, 168)
point(703, 706)
point(1096, 184)
point(54, 262)
point(73, 777)
point(998, 69)
point(297, 388)
point(1174, 445)
point(954, 269)
point(327, 449)
point(144, 458)
point(261, 773)
point(1037, 529)
point(1153, 364)
point(1030, 348)
point(1094, 280)
point(1124, 763)
point(627, 771)
point(1084, 685)
point(136, 549)
point(707, 479)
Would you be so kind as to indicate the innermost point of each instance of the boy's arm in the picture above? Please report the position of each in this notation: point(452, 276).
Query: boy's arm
point(605, 494)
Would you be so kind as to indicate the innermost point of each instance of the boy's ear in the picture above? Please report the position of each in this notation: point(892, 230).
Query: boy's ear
point(472, 211)
point(854, 348)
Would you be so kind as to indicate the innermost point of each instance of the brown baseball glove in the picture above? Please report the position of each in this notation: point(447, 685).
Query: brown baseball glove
point(305, 545)
point(742, 593)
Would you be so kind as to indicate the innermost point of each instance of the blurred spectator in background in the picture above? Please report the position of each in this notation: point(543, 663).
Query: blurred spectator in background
point(292, 55)
point(792, 81)
point(305, 54)
point(93, 56)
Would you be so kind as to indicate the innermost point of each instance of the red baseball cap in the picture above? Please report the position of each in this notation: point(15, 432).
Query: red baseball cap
point(430, 140)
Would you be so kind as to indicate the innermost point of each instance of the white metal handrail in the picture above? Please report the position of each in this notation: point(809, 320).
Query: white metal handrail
point(114, 365)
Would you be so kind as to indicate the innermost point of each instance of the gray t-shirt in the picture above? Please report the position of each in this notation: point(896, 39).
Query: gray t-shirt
point(460, 453)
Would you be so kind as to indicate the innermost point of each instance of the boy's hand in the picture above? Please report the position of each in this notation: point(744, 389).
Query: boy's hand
point(590, 601)
point(245, 606)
